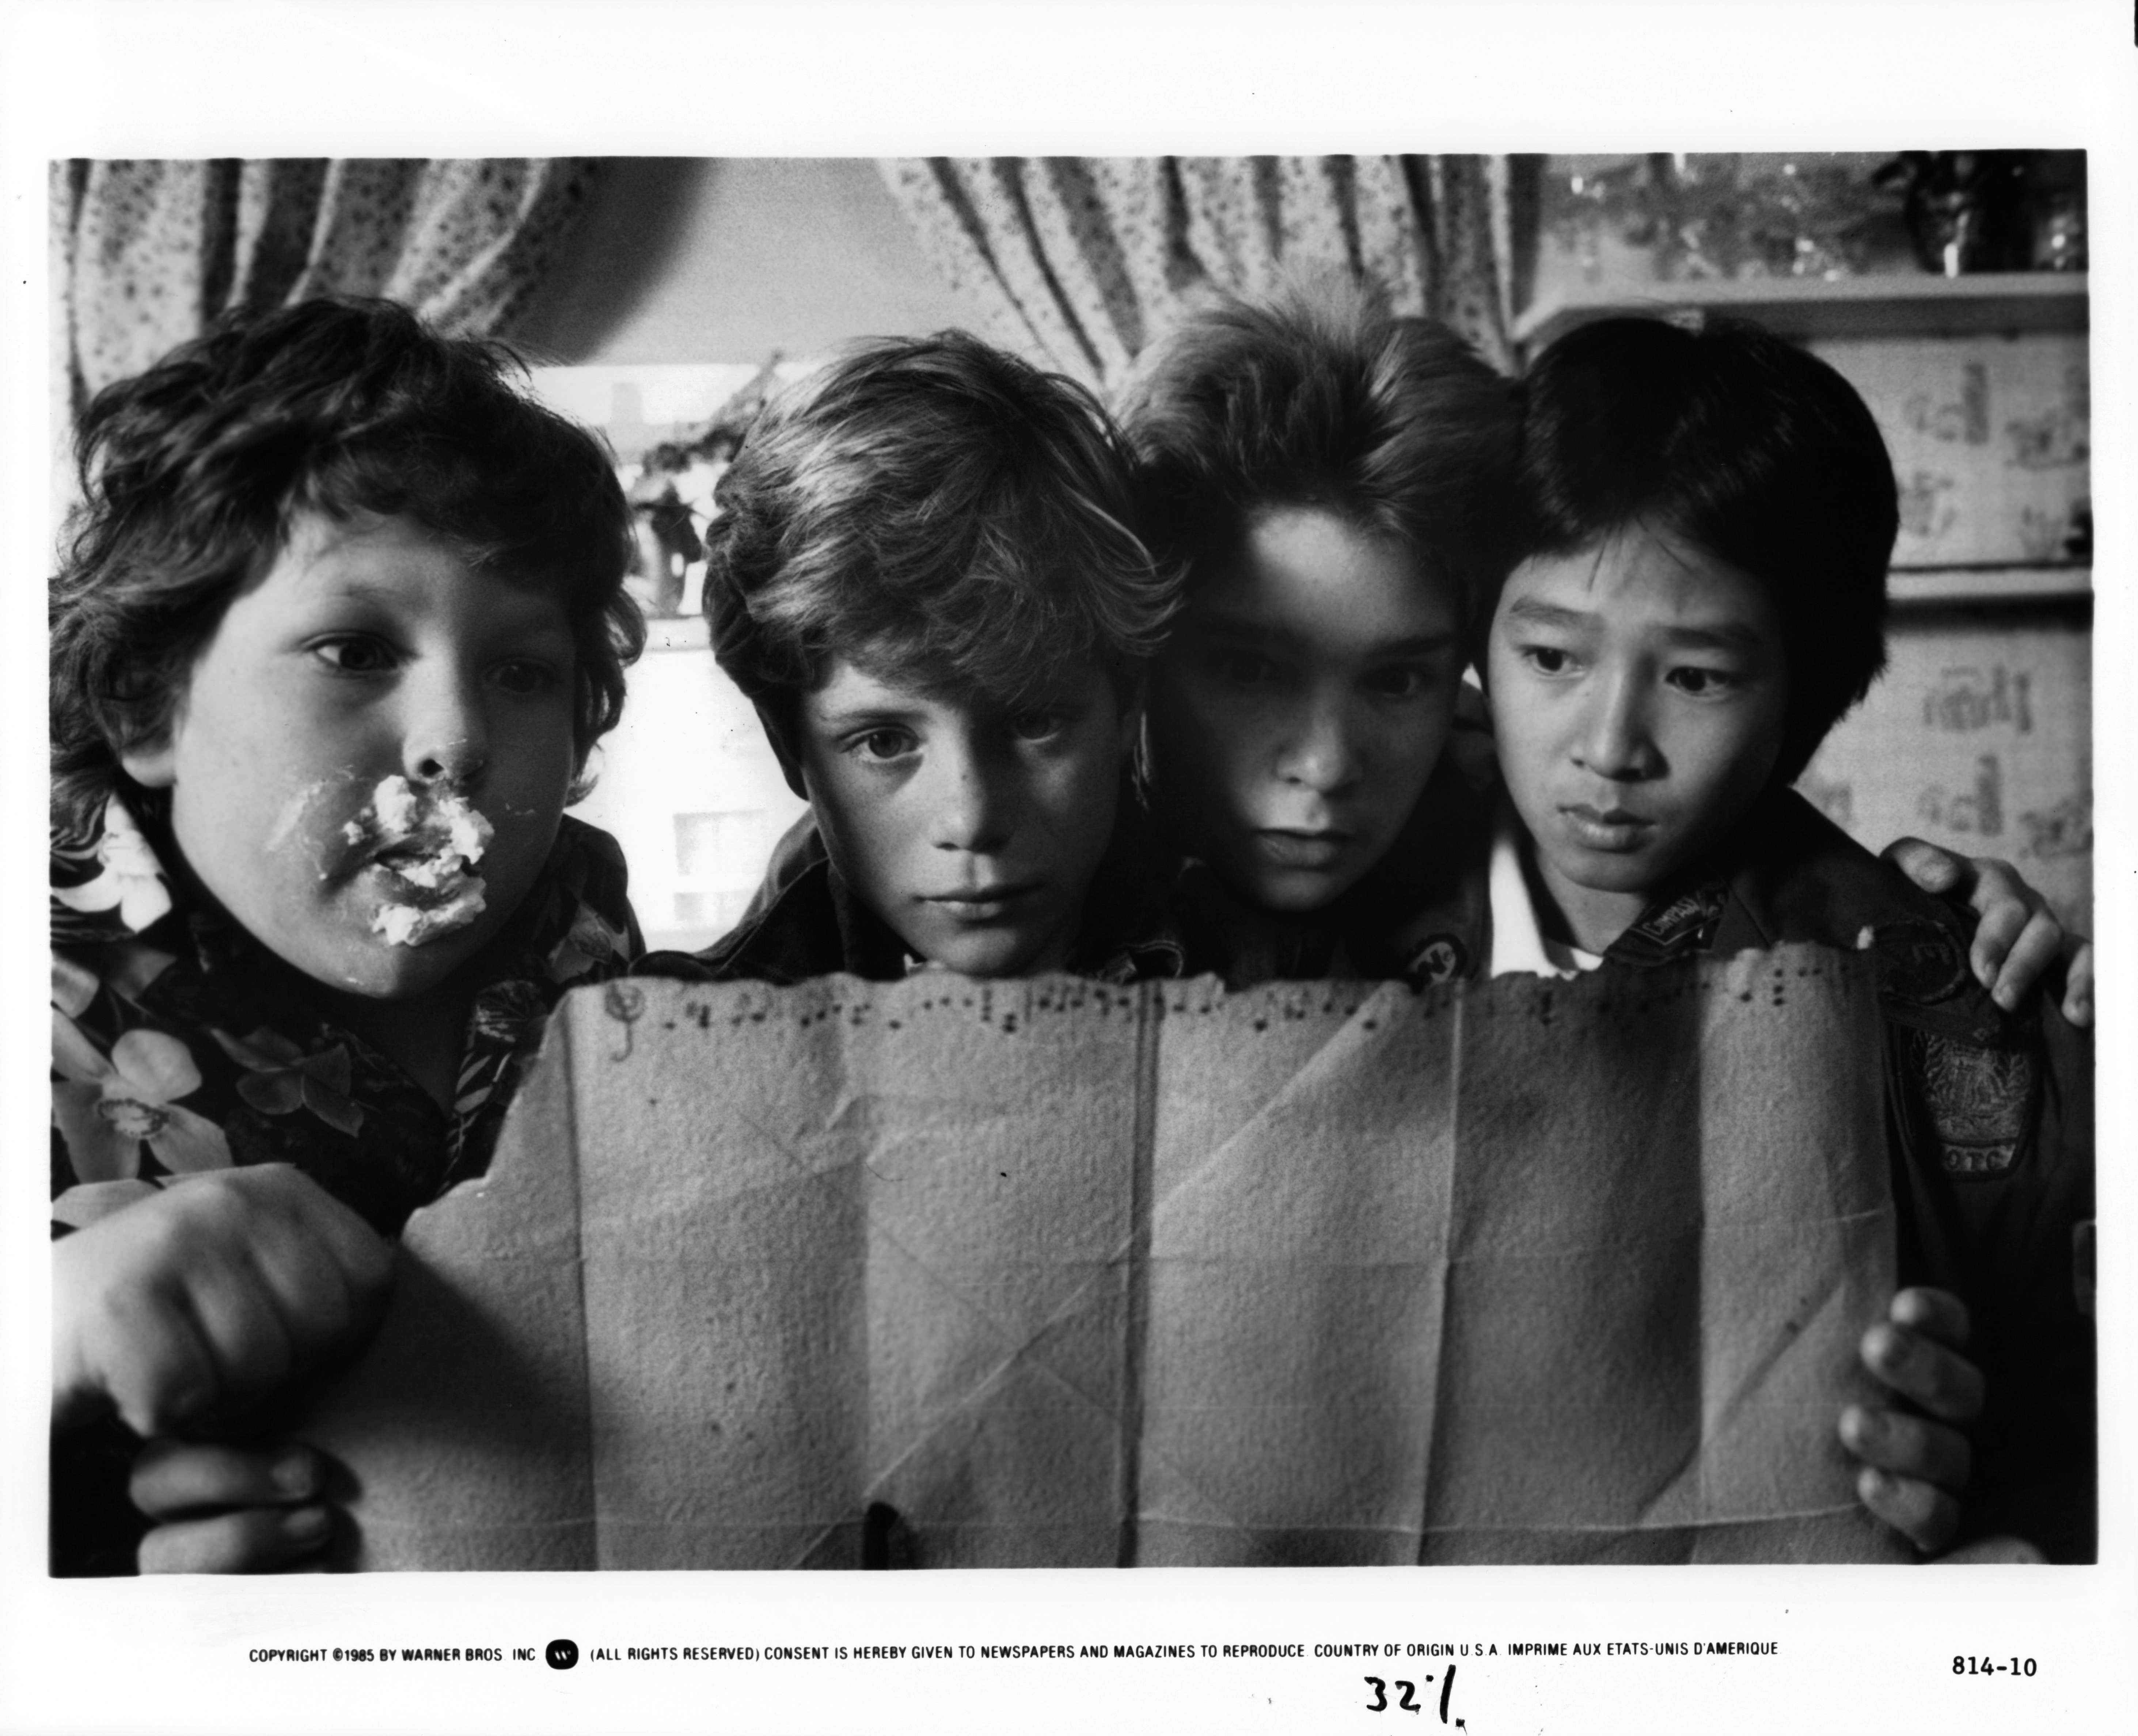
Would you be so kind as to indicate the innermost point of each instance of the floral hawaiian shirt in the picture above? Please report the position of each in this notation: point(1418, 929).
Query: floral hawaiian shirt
point(180, 1043)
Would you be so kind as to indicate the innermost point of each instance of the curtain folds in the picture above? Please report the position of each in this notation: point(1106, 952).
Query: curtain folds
point(1084, 260)
point(147, 253)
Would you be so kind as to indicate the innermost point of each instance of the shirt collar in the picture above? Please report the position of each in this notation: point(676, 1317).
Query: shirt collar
point(1520, 946)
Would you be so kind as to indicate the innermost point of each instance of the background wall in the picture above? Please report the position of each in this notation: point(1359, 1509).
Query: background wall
point(1978, 736)
point(696, 260)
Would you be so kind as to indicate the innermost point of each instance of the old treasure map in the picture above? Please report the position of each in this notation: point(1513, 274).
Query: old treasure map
point(1053, 1273)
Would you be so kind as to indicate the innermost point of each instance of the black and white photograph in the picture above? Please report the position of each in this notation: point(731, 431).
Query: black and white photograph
point(1280, 866)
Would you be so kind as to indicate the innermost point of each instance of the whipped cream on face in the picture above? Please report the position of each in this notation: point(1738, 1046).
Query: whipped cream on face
point(429, 842)
point(413, 925)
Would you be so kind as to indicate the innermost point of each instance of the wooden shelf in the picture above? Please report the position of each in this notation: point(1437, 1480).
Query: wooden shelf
point(1892, 305)
point(1911, 586)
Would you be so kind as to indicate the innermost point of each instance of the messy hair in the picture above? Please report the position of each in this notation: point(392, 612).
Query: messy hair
point(940, 512)
point(1752, 450)
point(191, 473)
point(1319, 397)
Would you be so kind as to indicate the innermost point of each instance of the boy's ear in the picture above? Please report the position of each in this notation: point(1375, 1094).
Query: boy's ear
point(153, 765)
point(1131, 699)
point(778, 721)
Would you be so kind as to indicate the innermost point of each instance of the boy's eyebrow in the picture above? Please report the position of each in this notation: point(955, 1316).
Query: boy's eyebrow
point(1722, 635)
point(1537, 613)
point(359, 590)
point(529, 611)
point(1231, 626)
point(888, 709)
point(1256, 633)
point(1418, 645)
point(1728, 635)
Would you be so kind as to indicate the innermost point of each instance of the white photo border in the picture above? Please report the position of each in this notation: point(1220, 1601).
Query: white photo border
point(1855, 1646)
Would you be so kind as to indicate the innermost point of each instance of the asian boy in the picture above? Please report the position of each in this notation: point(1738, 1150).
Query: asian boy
point(1700, 597)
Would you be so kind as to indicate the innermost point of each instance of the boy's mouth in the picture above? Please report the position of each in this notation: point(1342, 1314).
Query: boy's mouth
point(421, 848)
point(1297, 847)
point(981, 904)
point(1614, 830)
point(424, 868)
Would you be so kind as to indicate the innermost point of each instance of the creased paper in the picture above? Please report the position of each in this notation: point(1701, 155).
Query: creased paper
point(944, 1273)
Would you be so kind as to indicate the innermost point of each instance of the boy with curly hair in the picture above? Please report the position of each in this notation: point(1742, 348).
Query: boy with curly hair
point(338, 622)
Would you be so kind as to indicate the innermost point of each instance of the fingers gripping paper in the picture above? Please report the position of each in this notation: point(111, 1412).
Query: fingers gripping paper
point(949, 1274)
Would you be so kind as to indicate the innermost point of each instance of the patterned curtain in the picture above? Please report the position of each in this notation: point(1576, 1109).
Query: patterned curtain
point(146, 253)
point(1084, 260)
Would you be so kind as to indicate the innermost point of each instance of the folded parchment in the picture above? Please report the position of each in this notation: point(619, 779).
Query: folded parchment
point(1050, 1272)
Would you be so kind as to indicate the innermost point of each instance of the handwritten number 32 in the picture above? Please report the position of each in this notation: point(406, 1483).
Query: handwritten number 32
point(1407, 1704)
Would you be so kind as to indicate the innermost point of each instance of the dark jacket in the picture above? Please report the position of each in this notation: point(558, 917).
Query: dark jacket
point(1414, 918)
point(1989, 1122)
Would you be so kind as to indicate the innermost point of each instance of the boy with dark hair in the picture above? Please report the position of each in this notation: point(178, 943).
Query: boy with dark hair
point(922, 576)
point(338, 621)
point(1700, 597)
point(1336, 484)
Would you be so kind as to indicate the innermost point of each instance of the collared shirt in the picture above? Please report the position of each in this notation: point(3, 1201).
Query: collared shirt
point(1989, 1127)
point(1520, 947)
point(180, 1043)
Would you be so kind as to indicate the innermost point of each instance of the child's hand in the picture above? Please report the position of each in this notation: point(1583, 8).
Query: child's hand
point(1999, 1552)
point(1914, 1467)
point(230, 1508)
point(2019, 943)
point(201, 1301)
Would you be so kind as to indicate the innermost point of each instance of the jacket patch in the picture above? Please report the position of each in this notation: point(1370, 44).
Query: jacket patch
point(1919, 964)
point(1442, 958)
point(1675, 930)
point(1980, 1102)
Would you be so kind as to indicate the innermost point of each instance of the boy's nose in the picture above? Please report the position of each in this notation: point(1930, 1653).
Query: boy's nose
point(972, 807)
point(1321, 752)
point(447, 739)
point(1616, 741)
